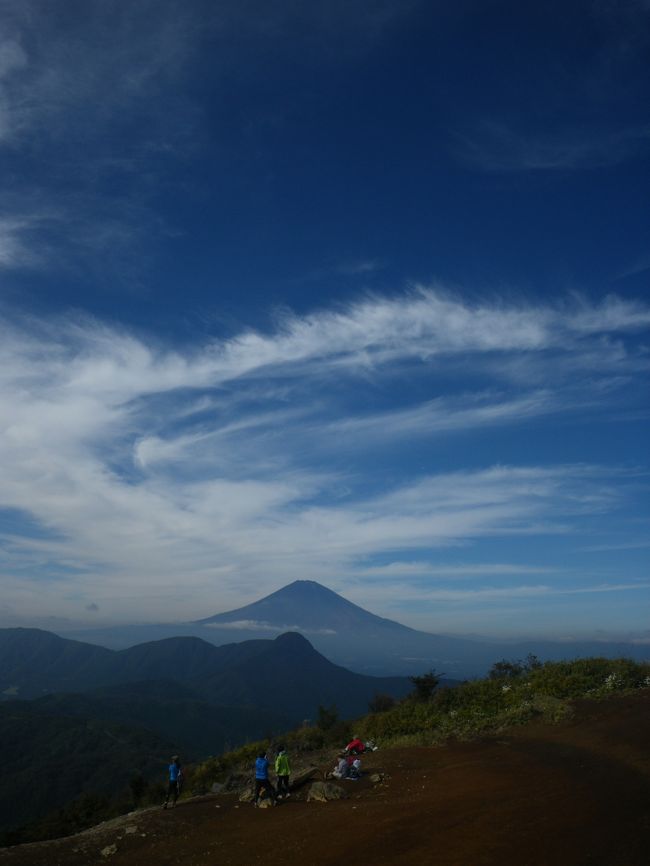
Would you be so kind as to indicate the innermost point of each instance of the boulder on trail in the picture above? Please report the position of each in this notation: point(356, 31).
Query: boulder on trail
point(323, 791)
point(264, 803)
point(247, 795)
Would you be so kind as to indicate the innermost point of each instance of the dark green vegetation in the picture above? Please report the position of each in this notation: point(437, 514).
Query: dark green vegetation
point(515, 693)
point(195, 727)
point(50, 761)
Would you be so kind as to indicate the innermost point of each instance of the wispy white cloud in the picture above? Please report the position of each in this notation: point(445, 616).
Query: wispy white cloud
point(54, 64)
point(638, 266)
point(114, 541)
point(255, 625)
point(72, 84)
point(518, 592)
point(443, 415)
point(359, 267)
point(96, 105)
point(632, 544)
point(12, 61)
point(509, 607)
point(498, 147)
point(392, 570)
point(138, 463)
point(15, 251)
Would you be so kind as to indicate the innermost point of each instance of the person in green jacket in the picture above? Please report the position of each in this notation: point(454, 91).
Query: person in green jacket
point(282, 771)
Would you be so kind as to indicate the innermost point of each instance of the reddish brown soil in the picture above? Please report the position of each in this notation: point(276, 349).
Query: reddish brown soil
point(575, 794)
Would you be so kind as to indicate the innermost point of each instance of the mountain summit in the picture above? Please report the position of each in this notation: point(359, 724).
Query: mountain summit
point(344, 632)
point(305, 606)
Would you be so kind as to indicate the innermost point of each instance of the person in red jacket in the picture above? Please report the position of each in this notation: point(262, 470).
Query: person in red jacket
point(355, 747)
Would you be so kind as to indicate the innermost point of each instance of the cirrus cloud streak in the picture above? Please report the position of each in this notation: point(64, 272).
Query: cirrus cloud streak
point(238, 464)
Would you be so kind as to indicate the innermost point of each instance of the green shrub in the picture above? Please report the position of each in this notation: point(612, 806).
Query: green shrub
point(584, 677)
point(513, 694)
point(425, 685)
point(380, 703)
point(512, 669)
point(327, 717)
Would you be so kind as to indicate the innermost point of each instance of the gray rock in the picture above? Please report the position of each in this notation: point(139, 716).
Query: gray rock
point(376, 778)
point(247, 795)
point(321, 792)
point(264, 803)
point(108, 850)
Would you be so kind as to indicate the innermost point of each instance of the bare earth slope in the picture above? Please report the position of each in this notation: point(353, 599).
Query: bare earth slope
point(575, 794)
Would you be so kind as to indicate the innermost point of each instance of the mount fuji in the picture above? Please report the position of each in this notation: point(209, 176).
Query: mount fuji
point(353, 637)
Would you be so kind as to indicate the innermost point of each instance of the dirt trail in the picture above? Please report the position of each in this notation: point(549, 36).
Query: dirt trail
point(575, 794)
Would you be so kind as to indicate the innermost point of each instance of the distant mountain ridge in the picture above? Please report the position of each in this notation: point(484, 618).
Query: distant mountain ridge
point(286, 675)
point(358, 640)
point(33, 656)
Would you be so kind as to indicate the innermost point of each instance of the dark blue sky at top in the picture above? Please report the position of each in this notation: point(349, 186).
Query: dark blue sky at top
point(497, 147)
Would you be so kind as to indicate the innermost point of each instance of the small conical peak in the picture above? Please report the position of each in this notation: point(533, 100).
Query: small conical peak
point(313, 583)
point(293, 639)
point(305, 591)
point(305, 606)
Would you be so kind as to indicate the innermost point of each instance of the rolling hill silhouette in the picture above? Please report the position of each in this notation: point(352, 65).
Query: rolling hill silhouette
point(285, 674)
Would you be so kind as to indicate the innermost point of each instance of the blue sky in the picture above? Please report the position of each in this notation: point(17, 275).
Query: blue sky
point(354, 292)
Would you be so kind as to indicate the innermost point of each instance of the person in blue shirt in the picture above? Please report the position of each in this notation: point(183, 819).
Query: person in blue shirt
point(175, 782)
point(262, 781)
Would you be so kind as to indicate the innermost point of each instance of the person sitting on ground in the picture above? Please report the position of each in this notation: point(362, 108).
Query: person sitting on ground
point(175, 781)
point(262, 781)
point(340, 771)
point(355, 746)
point(282, 771)
point(354, 771)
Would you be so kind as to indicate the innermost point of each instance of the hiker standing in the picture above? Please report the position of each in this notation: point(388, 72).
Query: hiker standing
point(262, 781)
point(175, 781)
point(282, 771)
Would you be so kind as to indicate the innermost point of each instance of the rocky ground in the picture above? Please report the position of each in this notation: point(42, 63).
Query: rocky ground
point(574, 794)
